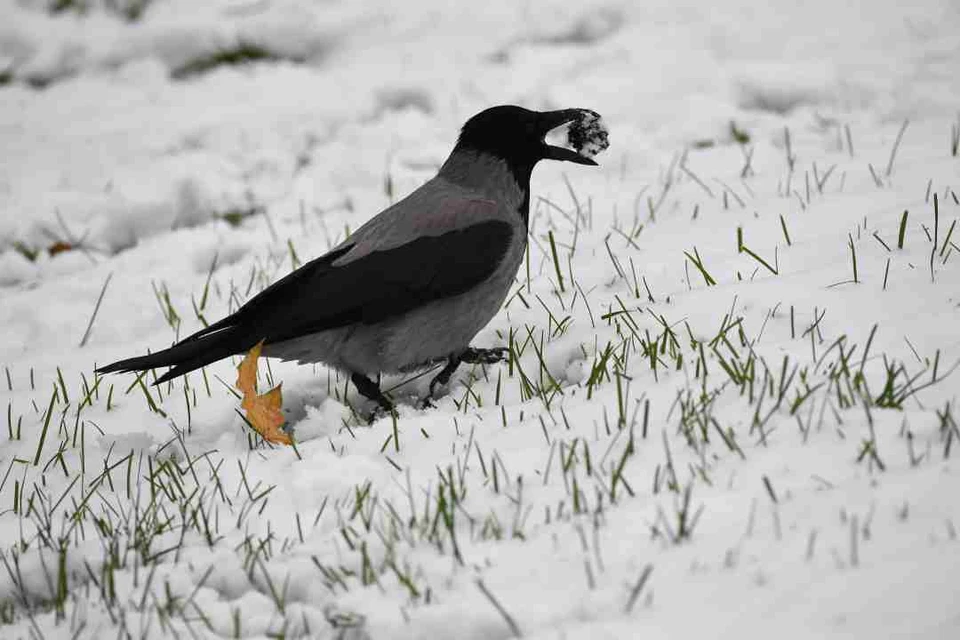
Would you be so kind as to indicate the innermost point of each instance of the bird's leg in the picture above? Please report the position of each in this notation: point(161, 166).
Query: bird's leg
point(441, 379)
point(484, 356)
point(470, 356)
point(371, 391)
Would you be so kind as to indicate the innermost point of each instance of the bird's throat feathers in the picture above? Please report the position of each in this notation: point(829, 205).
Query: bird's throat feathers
point(492, 177)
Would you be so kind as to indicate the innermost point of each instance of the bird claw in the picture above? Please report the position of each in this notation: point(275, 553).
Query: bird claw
point(485, 356)
point(380, 412)
point(470, 356)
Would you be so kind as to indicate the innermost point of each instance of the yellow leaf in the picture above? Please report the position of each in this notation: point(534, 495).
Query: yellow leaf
point(263, 411)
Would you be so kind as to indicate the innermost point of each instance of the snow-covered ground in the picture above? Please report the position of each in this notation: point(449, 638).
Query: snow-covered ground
point(731, 409)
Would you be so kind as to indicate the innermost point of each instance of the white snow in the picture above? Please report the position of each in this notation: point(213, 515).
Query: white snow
point(625, 439)
point(589, 135)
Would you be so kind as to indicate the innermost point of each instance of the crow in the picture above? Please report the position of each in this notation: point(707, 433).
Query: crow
point(411, 287)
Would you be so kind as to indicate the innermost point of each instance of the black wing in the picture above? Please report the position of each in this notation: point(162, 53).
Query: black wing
point(382, 284)
point(324, 295)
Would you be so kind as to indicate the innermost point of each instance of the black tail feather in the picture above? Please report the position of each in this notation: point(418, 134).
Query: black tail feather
point(185, 356)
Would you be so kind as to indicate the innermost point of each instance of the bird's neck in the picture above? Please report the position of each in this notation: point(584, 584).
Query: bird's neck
point(492, 178)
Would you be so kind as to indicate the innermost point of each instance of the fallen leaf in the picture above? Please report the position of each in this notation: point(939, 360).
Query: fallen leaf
point(263, 411)
point(59, 247)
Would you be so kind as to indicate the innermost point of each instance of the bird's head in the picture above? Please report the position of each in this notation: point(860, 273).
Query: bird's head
point(518, 136)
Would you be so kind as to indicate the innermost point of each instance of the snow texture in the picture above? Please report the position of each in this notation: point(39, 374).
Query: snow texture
point(588, 134)
point(731, 404)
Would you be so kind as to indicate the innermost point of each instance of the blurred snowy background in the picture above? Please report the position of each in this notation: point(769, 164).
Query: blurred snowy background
point(141, 126)
point(161, 160)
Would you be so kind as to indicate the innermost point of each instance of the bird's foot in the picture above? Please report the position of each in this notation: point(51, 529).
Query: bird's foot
point(440, 380)
point(371, 391)
point(381, 412)
point(470, 356)
point(484, 356)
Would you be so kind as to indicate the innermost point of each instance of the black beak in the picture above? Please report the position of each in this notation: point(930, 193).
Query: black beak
point(550, 120)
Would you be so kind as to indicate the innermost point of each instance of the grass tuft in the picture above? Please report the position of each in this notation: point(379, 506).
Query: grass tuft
point(241, 53)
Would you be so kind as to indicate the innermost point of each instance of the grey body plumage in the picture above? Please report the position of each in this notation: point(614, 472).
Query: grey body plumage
point(413, 285)
point(441, 327)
